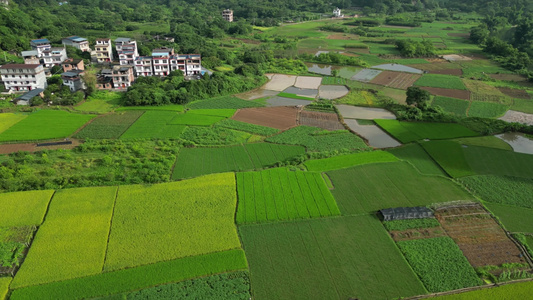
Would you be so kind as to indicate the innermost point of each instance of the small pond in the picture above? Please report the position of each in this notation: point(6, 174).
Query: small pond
point(518, 141)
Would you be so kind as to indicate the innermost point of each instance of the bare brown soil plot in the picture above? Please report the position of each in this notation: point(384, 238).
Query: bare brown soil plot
point(280, 117)
point(397, 80)
point(437, 65)
point(459, 94)
point(514, 93)
point(340, 36)
point(477, 234)
point(329, 121)
point(508, 77)
point(32, 147)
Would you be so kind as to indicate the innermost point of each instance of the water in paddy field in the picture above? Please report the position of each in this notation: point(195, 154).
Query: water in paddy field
point(518, 141)
point(323, 69)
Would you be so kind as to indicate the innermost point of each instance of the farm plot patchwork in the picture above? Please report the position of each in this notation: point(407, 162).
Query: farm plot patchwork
point(315, 139)
point(282, 101)
point(407, 132)
point(193, 162)
point(349, 160)
point(72, 241)
point(450, 156)
point(247, 127)
point(515, 93)
point(501, 189)
point(306, 82)
point(487, 109)
point(368, 188)
point(398, 68)
point(441, 81)
point(153, 124)
point(328, 121)
point(59, 124)
point(396, 80)
point(326, 260)
point(24, 208)
point(332, 91)
point(366, 75)
point(439, 263)
point(481, 239)
point(499, 162)
point(375, 136)
point(9, 119)
point(279, 82)
point(277, 117)
point(517, 290)
point(172, 220)
point(364, 113)
point(210, 136)
point(515, 219)
point(280, 194)
point(195, 119)
point(110, 126)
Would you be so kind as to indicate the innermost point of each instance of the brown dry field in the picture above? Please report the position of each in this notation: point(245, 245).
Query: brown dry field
point(481, 91)
point(350, 54)
point(396, 80)
point(362, 51)
point(477, 234)
point(455, 72)
point(514, 93)
point(32, 147)
point(280, 117)
point(329, 121)
point(459, 94)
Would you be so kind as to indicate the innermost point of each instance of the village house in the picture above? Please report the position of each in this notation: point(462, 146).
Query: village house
point(23, 77)
point(126, 50)
point(40, 45)
point(103, 52)
point(4, 3)
point(164, 60)
point(143, 66)
point(54, 56)
point(26, 98)
point(337, 13)
point(31, 57)
point(73, 80)
point(161, 61)
point(104, 80)
point(122, 76)
point(227, 14)
point(73, 64)
point(77, 42)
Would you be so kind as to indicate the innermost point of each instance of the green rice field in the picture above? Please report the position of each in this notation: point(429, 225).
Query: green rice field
point(452, 105)
point(515, 191)
point(418, 157)
point(154, 124)
point(450, 157)
point(24, 208)
point(441, 81)
point(487, 109)
point(326, 261)
point(349, 160)
point(280, 194)
point(515, 219)
point(519, 290)
point(110, 126)
point(407, 132)
point(9, 119)
point(368, 188)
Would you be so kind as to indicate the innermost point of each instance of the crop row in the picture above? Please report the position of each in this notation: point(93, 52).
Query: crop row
point(109, 126)
point(280, 194)
point(247, 127)
point(407, 132)
point(501, 189)
point(411, 224)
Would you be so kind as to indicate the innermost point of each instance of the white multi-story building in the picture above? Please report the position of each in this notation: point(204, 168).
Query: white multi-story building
point(103, 51)
point(31, 57)
point(54, 56)
point(337, 13)
point(190, 64)
point(23, 77)
point(161, 61)
point(143, 66)
point(227, 14)
point(40, 45)
point(126, 50)
point(122, 76)
point(77, 42)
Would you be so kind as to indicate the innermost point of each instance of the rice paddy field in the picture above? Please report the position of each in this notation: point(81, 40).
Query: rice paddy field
point(224, 198)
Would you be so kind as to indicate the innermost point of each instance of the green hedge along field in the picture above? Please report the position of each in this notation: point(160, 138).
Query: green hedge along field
point(324, 259)
point(45, 124)
point(72, 242)
point(193, 162)
point(110, 126)
point(24, 208)
point(349, 160)
point(407, 132)
point(172, 220)
point(316, 139)
point(501, 189)
point(280, 194)
point(136, 278)
point(368, 188)
point(418, 157)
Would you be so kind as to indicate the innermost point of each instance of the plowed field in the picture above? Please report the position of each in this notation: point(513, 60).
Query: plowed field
point(32, 147)
point(459, 94)
point(280, 117)
point(514, 93)
point(323, 120)
point(397, 80)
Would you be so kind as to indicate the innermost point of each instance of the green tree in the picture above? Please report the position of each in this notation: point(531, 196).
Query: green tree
point(417, 97)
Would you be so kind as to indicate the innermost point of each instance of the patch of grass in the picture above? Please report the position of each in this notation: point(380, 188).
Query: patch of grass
point(4, 286)
point(195, 120)
point(499, 162)
point(449, 155)
point(407, 132)
point(452, 105)
point(226, 113)
point(294, 96)
point(359, 97)
point(523, 105)
point(411, 224)
point(439, 263)
point(247, 127)
point(100, 102)
point(280, 194)
point(485, 141)
point(316, 139)
point(501, 189)
point(368, 188)
point(519, 290)
point(323, 259)
point(121, 281)
point(146, 228)
point(226, 102)
point(206, 136)
point(72, 241)
point(24, 208)
point(169, 107)
point(9, 119)
point(193, 162)
point(110, 126)
point(515, 219)
point(487, 109)
point(418, 157)
point(45, 124)
point(153, 124)
point(334, 80)
point(349, 160)
point(441, 81)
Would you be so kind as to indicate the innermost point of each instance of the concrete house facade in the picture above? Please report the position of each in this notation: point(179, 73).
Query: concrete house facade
point(126, 50)
point(77, 42)
point(103, 51)
point(54, 56)
point(40, 45)
point(31, 57)
point(227, 14)
point(73, 64)
point(73, 80)
point(122, 76)
point(144, 66)
point(23, 77)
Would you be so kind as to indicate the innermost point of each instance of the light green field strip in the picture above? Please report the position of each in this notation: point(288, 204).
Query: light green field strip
point(519, 290)
point(73, 239)
point(213, 112)
point(407, 132)
point(24, 208)
point(515, 219)
point(45, 124)
point(4, 286)
point(136, 278)
point(149, 124)
point(195, 119)
point(172, 220)
point(8, 119)
point(350, 160)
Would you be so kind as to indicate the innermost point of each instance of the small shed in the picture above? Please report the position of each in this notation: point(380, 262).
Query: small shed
point(26, 98)
point(403, 213)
